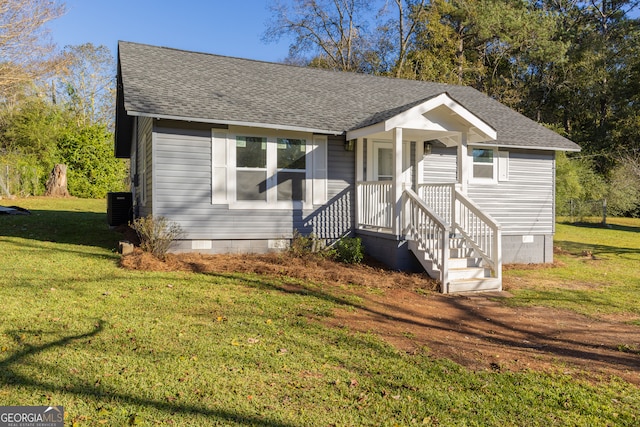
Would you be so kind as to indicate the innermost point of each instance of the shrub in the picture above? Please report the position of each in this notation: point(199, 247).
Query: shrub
point(302, 245)
point(156, 234)
point(349, 250)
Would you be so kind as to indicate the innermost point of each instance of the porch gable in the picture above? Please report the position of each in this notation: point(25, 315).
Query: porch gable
point(441, 114)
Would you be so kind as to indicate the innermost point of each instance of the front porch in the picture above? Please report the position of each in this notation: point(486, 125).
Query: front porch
point(449, 235)
point(451, 238)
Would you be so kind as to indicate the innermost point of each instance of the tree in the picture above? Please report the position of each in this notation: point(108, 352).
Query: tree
point(88, 85)
point(93, 170)
point(396, 35)
point(485, 44)
point(25, 51)
point(332, 32)
point(42, 134)
point(593, 93)
point(623, 197)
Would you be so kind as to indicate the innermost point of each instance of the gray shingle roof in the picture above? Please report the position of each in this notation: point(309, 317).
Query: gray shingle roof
point(165, 82)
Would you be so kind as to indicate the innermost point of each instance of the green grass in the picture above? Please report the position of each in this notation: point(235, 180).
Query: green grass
point(118, 347)
point(608, 282)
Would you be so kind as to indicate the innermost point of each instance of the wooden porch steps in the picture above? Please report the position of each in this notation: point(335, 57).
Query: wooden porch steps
point(465, 270)
point(475, 285)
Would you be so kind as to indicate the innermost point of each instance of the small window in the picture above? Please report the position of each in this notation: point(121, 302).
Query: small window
point(483, 163)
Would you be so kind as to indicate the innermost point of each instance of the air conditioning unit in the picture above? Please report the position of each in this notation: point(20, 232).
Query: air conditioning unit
point(119, 209)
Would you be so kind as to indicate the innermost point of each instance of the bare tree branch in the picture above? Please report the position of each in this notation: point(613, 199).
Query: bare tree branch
point(26, 52)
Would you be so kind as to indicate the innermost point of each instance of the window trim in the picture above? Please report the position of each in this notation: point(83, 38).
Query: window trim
point(272, 170)
point(500, 165)
point(494, 165)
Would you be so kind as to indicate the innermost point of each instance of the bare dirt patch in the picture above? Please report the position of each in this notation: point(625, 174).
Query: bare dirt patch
point(478, 331)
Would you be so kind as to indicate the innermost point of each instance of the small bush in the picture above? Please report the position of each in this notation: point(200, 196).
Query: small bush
point(156, 234)
point(302, 245)
point(349, 250)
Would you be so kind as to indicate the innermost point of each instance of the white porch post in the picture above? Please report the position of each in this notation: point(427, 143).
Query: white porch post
point(397, 180)
point(463, 163)
point(359, 177)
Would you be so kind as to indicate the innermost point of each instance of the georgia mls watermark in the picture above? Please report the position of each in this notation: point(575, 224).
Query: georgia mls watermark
point(31, 416)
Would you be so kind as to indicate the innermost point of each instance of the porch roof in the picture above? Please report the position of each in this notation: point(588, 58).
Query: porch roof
point(176, 84)
point(440, 115)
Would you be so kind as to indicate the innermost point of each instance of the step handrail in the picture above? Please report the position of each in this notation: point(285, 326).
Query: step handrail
point(480, 230)
point(429, 231)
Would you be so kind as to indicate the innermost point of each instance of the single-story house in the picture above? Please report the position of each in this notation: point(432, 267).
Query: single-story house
point(242, 154)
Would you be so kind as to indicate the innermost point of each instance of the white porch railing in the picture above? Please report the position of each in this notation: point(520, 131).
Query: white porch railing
point(435, 208)
point(481, 231)
point(439, 197)
point(375, 207)
point(429, 232)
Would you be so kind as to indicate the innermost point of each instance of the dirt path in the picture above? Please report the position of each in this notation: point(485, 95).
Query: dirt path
point(478, 331)
point(481, 333)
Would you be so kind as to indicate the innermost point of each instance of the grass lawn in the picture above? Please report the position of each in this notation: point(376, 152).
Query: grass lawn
point(118, 347)
point(599, 273)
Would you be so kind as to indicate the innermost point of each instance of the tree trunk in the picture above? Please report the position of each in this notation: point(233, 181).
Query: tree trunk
point(56, 185)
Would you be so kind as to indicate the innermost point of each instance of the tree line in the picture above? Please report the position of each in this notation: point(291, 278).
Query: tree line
point(56, 106)
point(572, 65)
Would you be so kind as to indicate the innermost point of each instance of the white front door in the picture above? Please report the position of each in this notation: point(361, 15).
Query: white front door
point(381, 160)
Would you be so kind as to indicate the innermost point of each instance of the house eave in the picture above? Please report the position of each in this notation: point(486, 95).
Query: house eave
point(238, 123)
point(498, 145)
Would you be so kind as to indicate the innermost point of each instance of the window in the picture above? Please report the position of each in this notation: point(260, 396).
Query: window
point(268, 170)
point(251, 168)
point(292, 169)
point(275, 170)
point(483, 163)
point(490, 164)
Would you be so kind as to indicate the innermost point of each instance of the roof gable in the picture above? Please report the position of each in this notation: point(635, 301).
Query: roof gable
point(440, 113)
point(176, 84)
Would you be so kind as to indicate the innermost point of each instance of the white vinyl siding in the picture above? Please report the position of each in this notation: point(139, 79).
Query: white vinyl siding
point(523, 205)
point(440, 166)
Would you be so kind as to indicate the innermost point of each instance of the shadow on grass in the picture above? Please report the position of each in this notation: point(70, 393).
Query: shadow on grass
point(577, 249)
point(466, 320)
point(10, 375)
point(615, 227)
point(77, 228)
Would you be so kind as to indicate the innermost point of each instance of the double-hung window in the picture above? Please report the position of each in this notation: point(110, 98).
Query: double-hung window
point(292, 169)
point(270, 170)
point(251, 168)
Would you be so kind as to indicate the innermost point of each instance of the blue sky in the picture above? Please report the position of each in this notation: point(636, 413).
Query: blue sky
point(224, 27)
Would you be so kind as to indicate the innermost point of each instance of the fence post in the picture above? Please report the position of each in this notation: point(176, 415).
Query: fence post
point(604, 211)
